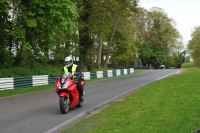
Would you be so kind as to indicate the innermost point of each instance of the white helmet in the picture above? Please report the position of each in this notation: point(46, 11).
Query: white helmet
point(68, 61)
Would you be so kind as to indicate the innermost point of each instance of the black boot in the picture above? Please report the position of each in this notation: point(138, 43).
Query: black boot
point(82, 98)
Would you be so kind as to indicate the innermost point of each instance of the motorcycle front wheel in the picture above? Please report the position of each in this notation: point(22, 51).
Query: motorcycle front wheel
point(64, 105)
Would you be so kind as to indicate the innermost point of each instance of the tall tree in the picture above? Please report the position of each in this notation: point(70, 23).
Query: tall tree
point(85, 40)
point(37, 22)
point(124, 10)
point(6, 35)
point(160, 34)
point(194, 46)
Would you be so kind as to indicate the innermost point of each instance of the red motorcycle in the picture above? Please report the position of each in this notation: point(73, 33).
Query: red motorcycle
point(66, 88)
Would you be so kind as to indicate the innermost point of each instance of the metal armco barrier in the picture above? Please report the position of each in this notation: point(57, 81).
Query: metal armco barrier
point(21, 82)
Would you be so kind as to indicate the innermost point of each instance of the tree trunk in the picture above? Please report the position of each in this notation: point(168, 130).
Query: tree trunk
point(85, 41)
point(99, 52)
point(110, 43)
point(18, 58)
point(46, 52)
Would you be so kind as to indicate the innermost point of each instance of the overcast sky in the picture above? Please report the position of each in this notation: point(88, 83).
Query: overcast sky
point(186, 13)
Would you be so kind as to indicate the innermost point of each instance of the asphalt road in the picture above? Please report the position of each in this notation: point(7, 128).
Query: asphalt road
point(39, 112)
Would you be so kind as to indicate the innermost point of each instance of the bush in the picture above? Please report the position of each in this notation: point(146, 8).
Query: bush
point(25, 71)
point(36, 69)
point(187, 65)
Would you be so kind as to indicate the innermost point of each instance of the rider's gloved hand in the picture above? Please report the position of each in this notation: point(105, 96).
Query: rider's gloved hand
point(75, 79)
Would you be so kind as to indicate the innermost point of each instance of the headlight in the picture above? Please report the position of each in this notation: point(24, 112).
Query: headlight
point(59, 85)
point(66, 85)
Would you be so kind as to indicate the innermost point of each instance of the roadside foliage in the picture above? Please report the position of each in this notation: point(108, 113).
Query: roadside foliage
point(96, 33)
point(194, 46)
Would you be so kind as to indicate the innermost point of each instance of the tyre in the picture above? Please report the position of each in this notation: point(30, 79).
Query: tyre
point(64, 105)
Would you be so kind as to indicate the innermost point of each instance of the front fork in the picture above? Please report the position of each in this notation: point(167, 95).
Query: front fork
point(66, 95)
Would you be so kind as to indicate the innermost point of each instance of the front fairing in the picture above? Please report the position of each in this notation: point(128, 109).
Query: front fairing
point(64, 82)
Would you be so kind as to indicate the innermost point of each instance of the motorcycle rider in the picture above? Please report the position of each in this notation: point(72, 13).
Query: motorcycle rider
point(73, 68)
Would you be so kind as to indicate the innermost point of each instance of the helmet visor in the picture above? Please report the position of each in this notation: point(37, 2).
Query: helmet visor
point(68, 63)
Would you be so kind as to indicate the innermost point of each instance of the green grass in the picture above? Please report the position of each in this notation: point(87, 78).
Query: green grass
point(170, 105)
point(4, 93)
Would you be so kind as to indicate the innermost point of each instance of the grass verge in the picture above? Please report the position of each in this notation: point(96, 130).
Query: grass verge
point(4, 93)
point(170, 105)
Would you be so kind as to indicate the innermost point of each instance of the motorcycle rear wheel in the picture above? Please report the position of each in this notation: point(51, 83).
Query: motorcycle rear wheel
point(64, 105)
